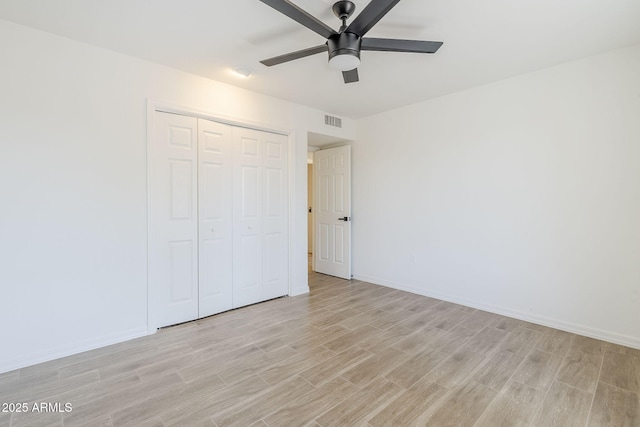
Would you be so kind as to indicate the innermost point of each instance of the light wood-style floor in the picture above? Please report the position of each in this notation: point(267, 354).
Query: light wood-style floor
point(350, 353)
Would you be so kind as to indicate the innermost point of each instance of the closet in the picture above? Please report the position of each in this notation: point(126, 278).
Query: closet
point(218, 218)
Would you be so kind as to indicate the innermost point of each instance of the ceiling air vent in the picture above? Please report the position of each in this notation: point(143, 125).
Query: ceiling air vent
point(336, 122)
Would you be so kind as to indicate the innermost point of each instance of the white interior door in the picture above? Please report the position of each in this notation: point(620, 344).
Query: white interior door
point(173, 249)
point(310, 205)
point(215, 209)
point(332, 181)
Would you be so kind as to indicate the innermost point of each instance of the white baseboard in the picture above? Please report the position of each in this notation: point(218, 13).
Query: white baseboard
point(70, 349)
point(516, 314)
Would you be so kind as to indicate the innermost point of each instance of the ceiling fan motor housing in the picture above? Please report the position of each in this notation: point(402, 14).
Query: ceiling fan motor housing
point(344, 44)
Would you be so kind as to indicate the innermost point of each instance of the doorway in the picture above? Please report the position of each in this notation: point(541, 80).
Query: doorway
point(329, 205)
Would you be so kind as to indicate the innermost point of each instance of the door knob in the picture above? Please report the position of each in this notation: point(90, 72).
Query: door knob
point(344, 218)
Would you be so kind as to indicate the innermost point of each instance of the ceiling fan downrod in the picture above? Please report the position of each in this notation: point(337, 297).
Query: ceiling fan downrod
point(343, 10)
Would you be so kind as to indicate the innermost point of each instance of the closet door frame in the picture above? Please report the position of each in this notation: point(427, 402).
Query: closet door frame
point(154, 106)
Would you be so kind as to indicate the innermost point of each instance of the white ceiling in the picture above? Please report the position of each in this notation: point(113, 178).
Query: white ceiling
point(484, 41)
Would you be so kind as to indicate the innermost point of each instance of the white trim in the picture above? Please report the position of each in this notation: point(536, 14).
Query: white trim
point(173, 108)
point(516, 314)
point(150, 133)
point(168, 107)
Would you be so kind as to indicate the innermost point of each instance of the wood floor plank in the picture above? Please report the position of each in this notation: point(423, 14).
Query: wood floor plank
point(515, 406)
point(335, 318)
point(416, 321)
point(509, 324)
point(389, 319)
point(320, 337)
point(538, 369)
point(11, 375)
point(555, 342)
point(28, 391)
point(376, 366)
point(564, 406)
point(462, 406)
point(580, 370)
point(385, 339)
point(421, 304)
point(498, 369)
point(614, 407)
point(420, 340)
point(352, 338)
point(253, 410)
point(311, 405)
point(214, 359)
point(455, 338)
point(362, 319)
point(48, 419)
point(486, 341)
point(621, 370)
point(449, 318)
point(456, 368)
point(203, 406)
point(237, 370)
point(21, 385)
point(586, 345)
point(521, 340)
point(411, 371)
point(86, 412)
point(479, 320)
point(622, 349)
point(334, 366)
point(290, 367)
point(409, 406)
point(361, 406)
point(128, 354)
point(123, 366)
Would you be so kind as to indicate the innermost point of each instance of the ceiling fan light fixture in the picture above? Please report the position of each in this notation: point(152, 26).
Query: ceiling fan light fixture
point(243, 72)
point(344, 62)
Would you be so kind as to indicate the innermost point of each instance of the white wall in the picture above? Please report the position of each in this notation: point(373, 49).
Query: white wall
point(73, 219)
point(520, 197)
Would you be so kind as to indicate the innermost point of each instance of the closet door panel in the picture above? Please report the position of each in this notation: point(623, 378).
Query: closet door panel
point(215, 198)
point(275, 217)
point(247, 210)
point(173, 249)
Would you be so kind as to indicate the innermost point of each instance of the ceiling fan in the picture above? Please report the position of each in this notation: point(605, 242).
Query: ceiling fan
point(344, 45)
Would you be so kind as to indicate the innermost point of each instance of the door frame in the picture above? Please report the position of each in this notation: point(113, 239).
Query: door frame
point(167, 107)
point(316, 201)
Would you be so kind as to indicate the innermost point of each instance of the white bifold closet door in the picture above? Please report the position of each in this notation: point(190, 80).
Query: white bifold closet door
point(219, 218)
point(215, 218)
point(260, 234)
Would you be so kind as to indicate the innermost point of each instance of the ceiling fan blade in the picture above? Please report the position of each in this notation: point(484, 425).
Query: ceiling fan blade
point(370, 15)
point(294, 12)
point(350, 76)
point(294, 55)
point(397, 45)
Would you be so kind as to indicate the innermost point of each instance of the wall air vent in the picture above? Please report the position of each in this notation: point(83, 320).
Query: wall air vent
point(336, 122)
